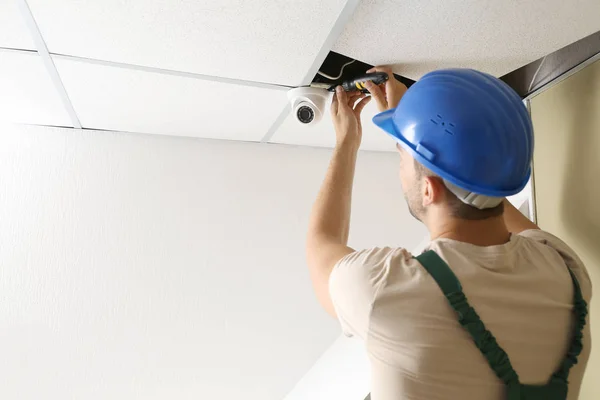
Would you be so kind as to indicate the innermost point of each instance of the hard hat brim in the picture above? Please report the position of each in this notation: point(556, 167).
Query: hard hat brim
point(385, 121)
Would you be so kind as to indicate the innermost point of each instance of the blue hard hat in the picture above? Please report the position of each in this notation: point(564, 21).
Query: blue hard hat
point(468, 127)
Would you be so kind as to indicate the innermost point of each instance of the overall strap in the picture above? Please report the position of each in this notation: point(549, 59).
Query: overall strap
point(469, 319)
point(580, 310)
point(557, 386)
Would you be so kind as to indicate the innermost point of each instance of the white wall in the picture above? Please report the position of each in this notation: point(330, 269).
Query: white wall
point(342, 373)
point(153, 267)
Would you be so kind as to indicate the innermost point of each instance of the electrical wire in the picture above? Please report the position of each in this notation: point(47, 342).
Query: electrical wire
point(537, 71)
point(333, 78)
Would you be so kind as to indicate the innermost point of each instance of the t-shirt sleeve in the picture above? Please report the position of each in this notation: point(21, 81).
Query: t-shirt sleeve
point(573, 261)
point(353, 286)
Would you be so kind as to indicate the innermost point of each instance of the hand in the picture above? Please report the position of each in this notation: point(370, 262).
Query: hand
point(386, 96)
point(345, 113)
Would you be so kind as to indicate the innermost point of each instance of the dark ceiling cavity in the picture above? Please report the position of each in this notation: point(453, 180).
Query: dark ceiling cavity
point(333, 64)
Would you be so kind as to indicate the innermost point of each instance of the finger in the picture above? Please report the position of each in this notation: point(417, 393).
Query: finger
point(361, 96)
point(342, 97)
point(355, 99)
point(354, 93)
point(381, 68)
point(360, 105)
point(334, 104)
point(378, 94)
point(394, 91)
point(388, 70)
point(383, 88)
point(352, 97)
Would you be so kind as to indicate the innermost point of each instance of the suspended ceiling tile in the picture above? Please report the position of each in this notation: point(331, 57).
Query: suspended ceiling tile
point(323, 134)
point(13, 31)
point(123, 99)
point(493, 36)
point(27, 94)
point(270, 41)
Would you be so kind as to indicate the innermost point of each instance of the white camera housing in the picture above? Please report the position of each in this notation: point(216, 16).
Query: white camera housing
point(308, 104)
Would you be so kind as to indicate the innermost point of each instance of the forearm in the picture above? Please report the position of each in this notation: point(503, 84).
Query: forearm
point(329, 223)
point(330, 216)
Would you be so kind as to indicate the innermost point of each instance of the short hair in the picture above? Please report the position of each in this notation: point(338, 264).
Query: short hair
point(458, 208)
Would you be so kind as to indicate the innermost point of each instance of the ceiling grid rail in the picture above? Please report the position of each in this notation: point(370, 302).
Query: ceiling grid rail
point(181, 74)
point(333, 35)
point(42, 50)
point(336, 30)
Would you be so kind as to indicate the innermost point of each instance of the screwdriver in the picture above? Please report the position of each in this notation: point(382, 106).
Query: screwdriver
point(358, 83)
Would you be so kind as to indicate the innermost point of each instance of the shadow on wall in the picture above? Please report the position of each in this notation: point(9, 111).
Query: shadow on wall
point(580, 202)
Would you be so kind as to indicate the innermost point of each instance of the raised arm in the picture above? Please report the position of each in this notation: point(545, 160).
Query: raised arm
point(329, 224)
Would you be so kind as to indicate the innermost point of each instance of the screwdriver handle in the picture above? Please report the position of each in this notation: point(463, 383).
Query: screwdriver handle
point(358, 83)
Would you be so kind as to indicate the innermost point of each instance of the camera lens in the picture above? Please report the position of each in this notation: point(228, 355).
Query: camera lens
point(305, 114)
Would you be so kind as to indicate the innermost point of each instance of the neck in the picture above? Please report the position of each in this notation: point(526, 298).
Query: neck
point(487, 232)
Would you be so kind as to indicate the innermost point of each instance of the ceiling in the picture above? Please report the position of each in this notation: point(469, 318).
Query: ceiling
point(493, 36)
point(27, 94)
point(221, 69)
point(13, 32)
point(273, 42)
point(124, 99)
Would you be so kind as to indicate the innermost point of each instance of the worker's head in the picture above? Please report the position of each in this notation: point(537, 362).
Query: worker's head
point(425, 191)
point(465, 140)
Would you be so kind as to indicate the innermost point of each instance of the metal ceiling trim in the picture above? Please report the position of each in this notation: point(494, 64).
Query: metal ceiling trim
point(532, 197)
point(564, 76)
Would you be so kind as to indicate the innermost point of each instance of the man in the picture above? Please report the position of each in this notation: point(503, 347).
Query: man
point(495, 308)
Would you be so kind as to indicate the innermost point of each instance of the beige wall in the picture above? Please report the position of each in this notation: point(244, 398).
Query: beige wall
point(566, 119)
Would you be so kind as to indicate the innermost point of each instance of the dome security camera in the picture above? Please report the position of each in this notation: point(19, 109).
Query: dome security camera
point(308, 104)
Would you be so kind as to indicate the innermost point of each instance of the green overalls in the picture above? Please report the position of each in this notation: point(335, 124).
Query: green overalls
point(557, 386)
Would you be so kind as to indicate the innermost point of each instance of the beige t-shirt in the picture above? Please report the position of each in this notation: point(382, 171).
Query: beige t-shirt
point(521, 290)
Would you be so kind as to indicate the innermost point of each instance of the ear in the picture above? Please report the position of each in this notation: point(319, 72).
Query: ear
point(433, 190)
